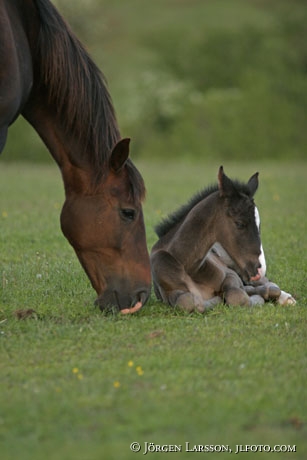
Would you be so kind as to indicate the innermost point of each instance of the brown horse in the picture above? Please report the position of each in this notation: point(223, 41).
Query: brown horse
point(47, 76)
point(209, 251)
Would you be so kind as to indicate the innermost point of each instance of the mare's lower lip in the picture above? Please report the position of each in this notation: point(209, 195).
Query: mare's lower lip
point(133, 309)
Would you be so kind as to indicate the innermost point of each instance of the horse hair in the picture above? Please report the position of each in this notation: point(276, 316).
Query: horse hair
point(178, 215)
point(78, 90)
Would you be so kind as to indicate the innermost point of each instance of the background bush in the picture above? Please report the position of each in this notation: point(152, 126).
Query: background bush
point(196, 78)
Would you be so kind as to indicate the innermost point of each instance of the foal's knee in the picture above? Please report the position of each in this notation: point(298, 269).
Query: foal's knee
point(185, 300)
point(191, 302)
point(236, 296)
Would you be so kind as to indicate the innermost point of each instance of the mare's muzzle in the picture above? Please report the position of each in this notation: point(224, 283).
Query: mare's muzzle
point(121, 300)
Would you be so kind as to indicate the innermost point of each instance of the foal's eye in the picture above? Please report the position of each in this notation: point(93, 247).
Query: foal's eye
point(127, 214)
point(240, 225)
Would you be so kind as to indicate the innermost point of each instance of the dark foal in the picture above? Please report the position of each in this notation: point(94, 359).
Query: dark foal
point(209, 251)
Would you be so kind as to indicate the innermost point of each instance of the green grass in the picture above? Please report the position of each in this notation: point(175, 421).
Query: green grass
point(233, 376)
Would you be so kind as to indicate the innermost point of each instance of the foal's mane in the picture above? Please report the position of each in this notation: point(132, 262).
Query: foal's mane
point(178, 216)
point(78, 91)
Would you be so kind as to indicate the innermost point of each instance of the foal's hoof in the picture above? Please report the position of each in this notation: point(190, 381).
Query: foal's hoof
point(271, 291)
point(211, 303)
point(286, 299)
point(256, 300)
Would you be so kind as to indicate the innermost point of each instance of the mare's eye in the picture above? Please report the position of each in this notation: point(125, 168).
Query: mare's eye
point(127, 214)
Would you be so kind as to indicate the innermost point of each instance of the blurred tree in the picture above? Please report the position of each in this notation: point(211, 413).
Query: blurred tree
point(196, 78)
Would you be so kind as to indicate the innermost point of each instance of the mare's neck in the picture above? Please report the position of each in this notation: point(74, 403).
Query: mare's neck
point(77, 175)
point(69, 105)
point(196, 235)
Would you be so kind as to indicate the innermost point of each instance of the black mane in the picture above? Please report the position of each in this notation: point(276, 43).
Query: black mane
point(75, 85)
point(78, 90)
point(177, 216)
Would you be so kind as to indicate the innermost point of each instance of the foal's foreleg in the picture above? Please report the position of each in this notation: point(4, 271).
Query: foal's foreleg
point(172, 284)
point(169, 280)
point(192, 302)
point(233, 290)
point(284, 298)
point(270, 291)
point(266, 289)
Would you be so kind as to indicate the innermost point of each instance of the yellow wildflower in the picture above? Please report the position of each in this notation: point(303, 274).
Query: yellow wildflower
point(139, 370)
point(116, 384)
point(75, 370)
point(130, 363)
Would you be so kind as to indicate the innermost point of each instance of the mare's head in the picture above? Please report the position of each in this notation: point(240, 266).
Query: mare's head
point(105, 226)
point(237, 229)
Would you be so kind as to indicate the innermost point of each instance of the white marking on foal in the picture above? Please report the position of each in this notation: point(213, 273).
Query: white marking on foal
point(285, 298)
point(262, 270)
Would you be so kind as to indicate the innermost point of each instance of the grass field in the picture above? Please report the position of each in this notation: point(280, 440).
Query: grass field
point(77, 384)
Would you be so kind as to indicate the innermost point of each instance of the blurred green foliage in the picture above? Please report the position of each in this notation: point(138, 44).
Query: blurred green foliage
point(189, 78)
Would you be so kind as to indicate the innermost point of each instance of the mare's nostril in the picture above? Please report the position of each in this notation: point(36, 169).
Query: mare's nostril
point(121, 299)
point(141, 296)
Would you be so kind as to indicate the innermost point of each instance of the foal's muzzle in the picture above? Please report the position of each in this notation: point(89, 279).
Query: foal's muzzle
point(252, 272)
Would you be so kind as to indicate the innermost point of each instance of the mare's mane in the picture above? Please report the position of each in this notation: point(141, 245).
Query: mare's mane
point(78, 91)
point(179, 215)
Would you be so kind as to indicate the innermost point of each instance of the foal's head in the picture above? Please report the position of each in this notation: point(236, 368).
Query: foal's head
point(105, 226)
point(237, 230)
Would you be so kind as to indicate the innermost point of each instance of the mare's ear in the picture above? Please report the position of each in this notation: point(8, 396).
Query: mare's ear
point(119, 155)
point(253, 184)
point(226, 187)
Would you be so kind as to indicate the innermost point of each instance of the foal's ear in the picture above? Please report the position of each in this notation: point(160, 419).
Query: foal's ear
point(119, 155)
point(253, 184)
point(226, 187)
